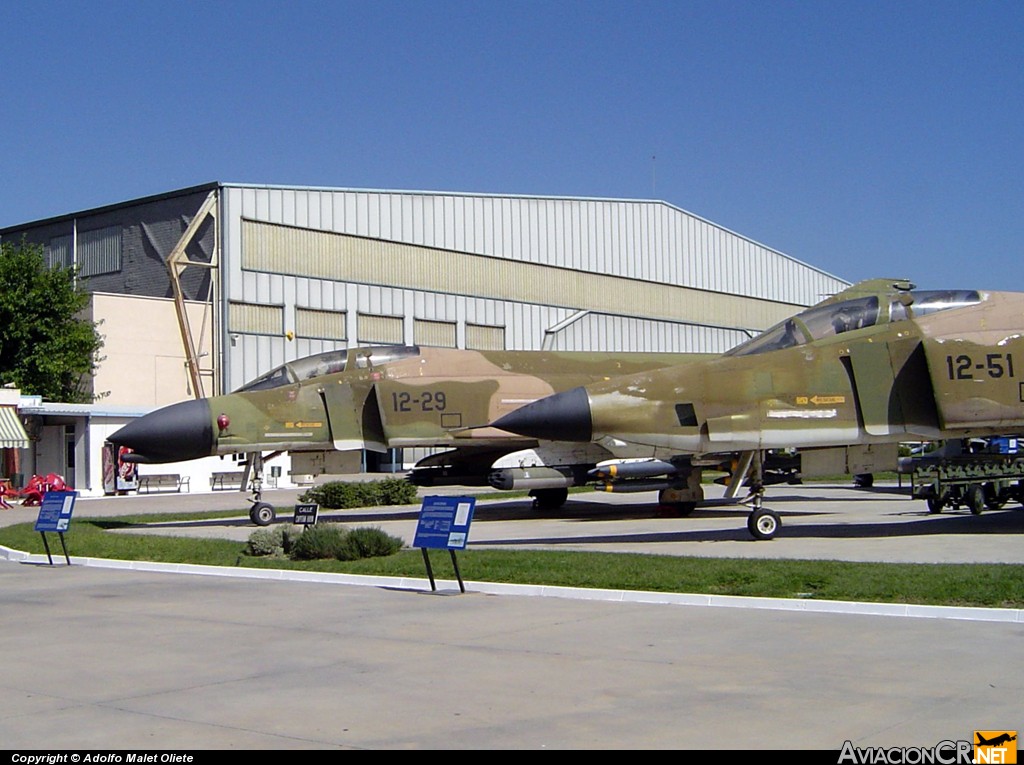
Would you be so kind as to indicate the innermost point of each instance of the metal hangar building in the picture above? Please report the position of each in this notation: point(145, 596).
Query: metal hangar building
point(205, 288)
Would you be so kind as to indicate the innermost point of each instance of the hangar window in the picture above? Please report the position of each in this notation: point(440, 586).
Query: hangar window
point(324, 325)
point(59, 252)
point(381, 329)
point(481, 337)
point(440, 334)
point(99, 251)
point(255, 319)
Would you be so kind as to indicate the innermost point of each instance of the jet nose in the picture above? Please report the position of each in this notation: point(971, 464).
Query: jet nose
point(562, 417)
point(175, 433)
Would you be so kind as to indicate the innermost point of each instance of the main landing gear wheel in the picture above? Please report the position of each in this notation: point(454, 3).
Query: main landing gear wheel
point(549, 499)
point(262, 514)
point(763, 523)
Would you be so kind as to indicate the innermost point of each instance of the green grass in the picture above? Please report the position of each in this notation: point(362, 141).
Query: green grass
point(993, 585)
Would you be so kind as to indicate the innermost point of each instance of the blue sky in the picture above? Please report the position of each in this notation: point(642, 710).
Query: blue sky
point(865, 138)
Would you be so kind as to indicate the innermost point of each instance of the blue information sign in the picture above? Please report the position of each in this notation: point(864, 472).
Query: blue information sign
point(55, 511)
point(444, 523)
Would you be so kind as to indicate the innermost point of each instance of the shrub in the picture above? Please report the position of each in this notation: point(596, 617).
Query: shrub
point(266, 542)
point(369, 542)
point(325, 540)
point(340, 495)
point(396, 491)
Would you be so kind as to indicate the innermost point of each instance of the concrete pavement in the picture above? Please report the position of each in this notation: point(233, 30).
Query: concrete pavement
point(127, 659)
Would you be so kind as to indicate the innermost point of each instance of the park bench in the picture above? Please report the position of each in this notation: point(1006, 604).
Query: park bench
point(226, 480)
point(163, 482)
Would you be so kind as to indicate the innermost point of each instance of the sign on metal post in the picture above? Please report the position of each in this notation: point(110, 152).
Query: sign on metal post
point(444, 525)
point(305, 514)
point(55, 515)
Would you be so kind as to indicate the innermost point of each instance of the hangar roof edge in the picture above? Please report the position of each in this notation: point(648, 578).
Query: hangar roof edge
point(106, 208)
point(235, 185)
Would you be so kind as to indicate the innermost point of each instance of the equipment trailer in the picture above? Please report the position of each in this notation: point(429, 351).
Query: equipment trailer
point(978, 481)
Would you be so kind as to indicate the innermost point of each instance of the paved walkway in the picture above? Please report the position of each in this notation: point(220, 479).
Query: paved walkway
point(818, 522)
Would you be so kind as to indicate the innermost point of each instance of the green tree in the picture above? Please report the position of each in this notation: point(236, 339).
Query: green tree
point(46, 348)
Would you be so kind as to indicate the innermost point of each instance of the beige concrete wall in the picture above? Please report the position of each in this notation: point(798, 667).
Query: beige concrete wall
point(143, 356)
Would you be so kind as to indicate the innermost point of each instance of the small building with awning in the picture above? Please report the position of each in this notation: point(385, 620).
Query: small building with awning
point(12, 435)
point(12, 432)
point(66, 438)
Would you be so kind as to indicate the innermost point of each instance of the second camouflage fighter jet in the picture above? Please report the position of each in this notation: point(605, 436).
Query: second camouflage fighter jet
point(877, 364)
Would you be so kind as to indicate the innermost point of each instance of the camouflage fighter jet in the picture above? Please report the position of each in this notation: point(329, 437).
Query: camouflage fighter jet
point(324, 409)
point(877, 364)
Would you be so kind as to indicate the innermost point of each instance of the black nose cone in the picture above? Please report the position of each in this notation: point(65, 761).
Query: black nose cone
point(173, 434)
point(561, 417)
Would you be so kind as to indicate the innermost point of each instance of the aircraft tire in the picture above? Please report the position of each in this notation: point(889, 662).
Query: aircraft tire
point(262, 514)
point(549, 499)
point(763, 523)
point(976, 498)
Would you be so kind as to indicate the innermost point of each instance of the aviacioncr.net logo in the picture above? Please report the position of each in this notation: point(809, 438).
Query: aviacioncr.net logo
point(943, 753)
point(995, 746)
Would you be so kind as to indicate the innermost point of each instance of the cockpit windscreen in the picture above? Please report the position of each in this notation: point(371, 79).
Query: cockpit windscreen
point(329, 363)
point(823, 321)
point(306, 368)
point(813, 324)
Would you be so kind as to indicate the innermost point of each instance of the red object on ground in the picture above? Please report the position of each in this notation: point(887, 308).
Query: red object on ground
point(37, 486)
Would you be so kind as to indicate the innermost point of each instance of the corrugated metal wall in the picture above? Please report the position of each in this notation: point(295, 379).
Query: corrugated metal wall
point(653, 276)
point(599, 236)
point(270, 248)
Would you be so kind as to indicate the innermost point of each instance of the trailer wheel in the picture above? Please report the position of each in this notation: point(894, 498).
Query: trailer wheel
point(976, 498)
point(994, 498)
point(935, 504)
